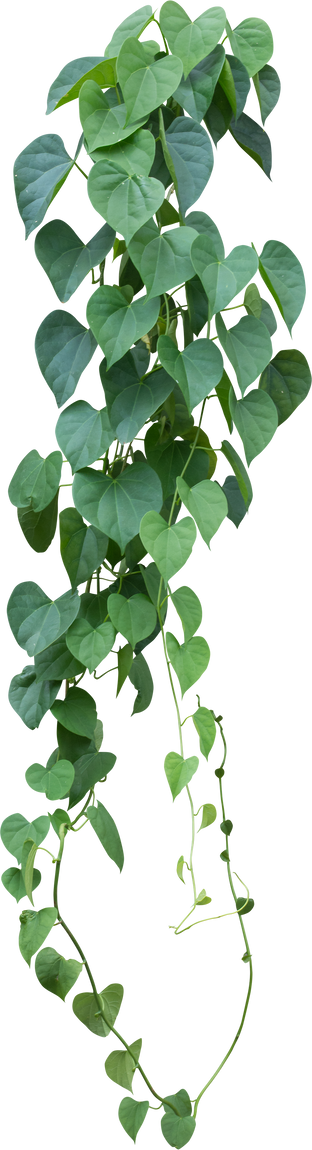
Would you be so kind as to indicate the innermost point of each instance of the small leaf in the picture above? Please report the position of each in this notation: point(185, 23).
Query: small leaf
point(14, 883)
point(202, 898)
point(35, 926)
point(189, 660)
point(239, 470)
point(224, 390)
point(222, 278)
point(256, 422)
point(67, 85)
point(197, 369)
point(226, 826)
point(89, 769)
point(133, 25)
point(56, 973)
point(36, 620)
point(141, 679)
point(177, 1131)
point(117, 321)
point(209, 816)
point(236, 504)
point(107, 832)
point(189, 157)
point(253, 140)
point(36, 480)
point(124, 659)
point(225, 855)
point(196, 92)
point(179, 771)
point(252, 301)
point(131, 1115)
point(85, 1008)
point(120, 1065)
point(240, 902)
point(207, 503)
point(282, 273)
point(180, 864)
point(268, 86)
point(29, 852)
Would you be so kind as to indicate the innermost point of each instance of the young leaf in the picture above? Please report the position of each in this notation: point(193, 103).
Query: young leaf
point(196, 92)
point(120, 1065)
point(116, 505)
point(282, 273)
point(90, 644)
point(207, 503)
point(39, 172)
point(86, 1009)
point(63, 348)
point(77, 712)
point(36, 480)
point(29, 852)
point(267, 84)
point(239, 471)
point(66, 259)
point(197, 369)
point(189, 609)
point(179, 771)
point(180, 865)
point(35, 926)
point(39, 527)
point(145, 85)
point(253, 140)
point(56, 662)
point(107, 832)
point(252, 42)
point(36, 620)
point(266, 315)
point(56, 973)
point(124, 660)
point(67, 85)
point(89, 769)
point(256, 421)
point(189, 660)
point(240, 903)
point(141, 679)
point(117, 321)
point(189, 157)
point(226, 826)
point(202, 898)
point(14, 883)
point(54, 783)
point(83, 548)
point(209, 815)
point(126, 201)
point(32, 699)
point(191, 40)
point(131, 1115)
point(206, 729)
point(248, 347)
point(170, 547)
point(132, 26)
point(287, 380)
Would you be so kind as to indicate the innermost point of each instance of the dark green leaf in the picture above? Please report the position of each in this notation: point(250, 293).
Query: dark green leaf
point(195, 93)
point(116, 506)
point(207, 503)
point(36, 481)
point(226, 827)
point(197, 369)
point(189, 660)
point(126, 201)
point(56, 662)
point(132, 397)
point(36, 620)
point(107, 832)
point(253, 301)
point(209, 816)
point(287, 380)
point(222, 278)
point(189, 157)
point(39, 172)
point(252, 42)
point(164, 261)
point(256, 421)
point(204, 723)
point(39, 527)
point(73, 746)
point(248, 347)
point(89, 769)
point(235, 82)
point(77, 712)
point(85, 1008)
point(67, 85)
point(141, 679)
point(131, 1114)
point(189, 609)
point(35, 926)
point(224, 854)
point(267, 316)
point(191, 40)
point(197, 304)
point(253, 140)
point(133, 25)
point(29, 852)
point(224, 390)
point(219, 115)
point(170, 458)
point(170, 547)
point(236, 504)
point(83, 548)
point(239, 470)
point(250, 905)
point(167, 215)
point(144, 84)
point(282, 273)
point(56, 973)
point(103, 120)
point(267, 84)
point(117, 321)
point(30, 699)
point(63, 348)
point(120, 1066)
point(66, 259)
point(14, 883)
point(55, 782)
point(124, 659)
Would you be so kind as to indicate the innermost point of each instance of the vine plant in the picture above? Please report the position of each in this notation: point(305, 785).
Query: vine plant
point(143, 464)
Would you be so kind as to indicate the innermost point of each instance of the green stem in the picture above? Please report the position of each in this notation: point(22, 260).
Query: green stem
point(83, 808)
point(167, 314)
point(162, 34)
point(80, 950)
point(233, 308)
point(80, 169)
point(203, 1090)
point(192, 843)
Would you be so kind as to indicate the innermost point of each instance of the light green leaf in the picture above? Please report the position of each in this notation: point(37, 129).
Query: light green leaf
point(166, 261)
point(209, 816)
point(234, 81)
point(206, 734)
point(135, 618)
point(131, 1114)
point(180, 864)
point(222, 280)
point(145, 85)
point(35, 926)
point(56, 973)
point(83, 432)
point(202, 898)
point(119, 1067)
point(29, 852)
point(126, 201)
point(14, 883)
point(252, 39)
point(35, 478)
point(197, 369)
point(190, 661)
point(252, 301)
point(77, 712)
point(56, 662)
point(170, 547)
point(83, 1009)
point(207, 505)
point(15, 829)
point(179, 771)
point(53, 782)
point(103, 123)
point(117, 321)
point(83, 548)
point(192, 37)
point(132, 26)
point(90, 645)
point(39, 527)
point(89, 769)
point(36, 620)
point(134, 155)
point(124, 660)
point(189, 608)
point(31, 699)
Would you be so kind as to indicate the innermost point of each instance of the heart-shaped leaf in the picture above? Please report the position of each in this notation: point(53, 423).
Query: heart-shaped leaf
point(170, 547)
point(90, 644)
point(14, 883)
point(133, 25)
point(282, 273)
point(207, 503)
point(287, 379)
point(189, 158)
point(56, 973)
point(56, 662)
point(124, 662)
point(206, 729)
point(131, 1115)
point(134, 155)
point(89, 769)
point(32, 699)
point(66, 259)
point(179, 771)
point(35, 926)
point(39, 527)
point(126, 201)
point(63, 348)
point(222, 279)
point(54, 783)
point(131, 395)
point(120, 1065)
point(171, 457)
point(256, 421)
point(135, 618)
point(240, 903)
point(248, 347)
point(197, 369)
point(252, 42)
point(116, 505)
point(83, 548)
point(145, 85)
point(67, 85)
point(85, 1008)
point(36, 620)
point(36, 480)
point(39, 172)
point(208, 817)
point(236, 505)
point(166, 260)
point(234, 81)
point(189, 609)
point(103, 121)
point(268, 86)
point(141, 679)
point(117, 321)
point(196, 92)
point(15, 830)
point(191, 40)
point(107, 832)
point(189, 660)
point(77, 712)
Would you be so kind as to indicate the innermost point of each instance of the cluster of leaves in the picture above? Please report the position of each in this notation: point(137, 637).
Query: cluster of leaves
point(143, 477)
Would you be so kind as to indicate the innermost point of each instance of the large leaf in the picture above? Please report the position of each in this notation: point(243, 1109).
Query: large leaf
point(67, 85)
point(39, 526)
point(283, 275)
point(120, 1065)
point(117, 321)
point(35, 926)
point(141, 679)
point(133, 25)
point(56, 662)
point(287, 380)
point(132, 396)
point(13, 882)
point(179, 771)
point(133, 155)
point(15, 830)
point(77, 712)
point(248, 347)
point(126, 201)
point(252, 39)
point(66, 258)
point(63, 351)
point(206, 729)
point(189, 660)
point(189, 609)
point(170, 547)
point(189, 157)
point(253, 140)
point(145, 85)
point(196, 92)
point(268, 86)
point(83, 548)
point(207, 503)
point(116, 506)
point(89, 770)
point(135, 618)
point(256, 423)
point(100, 120)
point(131, 1114)
point(90, 644)
point(36, 480)
point(192, 37)
point(55, 782)
point(162, 258)
point(38, 175)
point(170, 458)
point(56, 973)
point(85, 1008)
point(234, 81)
point(239, 471)
point(107, 832)
point(30, 699)
point(35, 618)
point(83, 433)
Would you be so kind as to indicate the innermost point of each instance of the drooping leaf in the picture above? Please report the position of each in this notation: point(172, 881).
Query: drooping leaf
point(170, 458)
point(120, 1065)
point(170, 547)
point(206, 729)
point(56, 662)
point(267, 315)
point(268, 86)
point(253, 140)
point(77, 712)
point(89, 769)
point(32, 699)
point(141, 679)
point(131, 395)
point(39, 527)
point(83, 548)
point(282, 273)
point(135, 618)
point(117, 321)
point(14, 883)
point(287, 380)
point(35, 927)
point(36, 481)
point(165, 261)
point(252, 42)
point(126, 201)
point(56, 973)
point(36, 620)
point(226, 826)
point(63, 348)
point(222, 279)
point(124, 661)
point(234, 81)
point(66, 259)
point(116, 506)
point(90, 644)
point(39, 172)
point(106, 830)
point(103, 120)
point(252, 301)
point(145, 85)
point(239, 471)
point(132, 26)
point(197, 304)
point(209, 815)
point(85, 1008)
point(54, 783)
point(207, 503)
point(236, 505)
point(73, 747)
point(189, 609)
point(189, 157)
point(248, 347)
point(256, 420)
point(191, 40)
point(131, 1114)
point(189, 660)
point(219, 115)
point(224, 390)
point(196, 92)
point(197, 369)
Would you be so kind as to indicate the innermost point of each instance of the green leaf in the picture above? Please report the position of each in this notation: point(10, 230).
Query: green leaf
point(205, 730)
point(83, 1007)
point(236, 504)
point(63, 351)
point(197, 304)
point(208, 813)
point(224, 390)
point(170, 458)
point(223, 274)
point(14, 883)
point(180, 869)
point(145, 85)
point(141, 679)
point(234, 81)
point(126, 201)
point(124, 660)
point(15, 829)
point(252, 39)
point(83, 548)
point(248, 908)
point(248, 346)
point(192, 37)
point(77, 712)
point(256, 423)
point(66, 258)
point(196, 92)
point(56, 662)
point(179, 771)
point(219, 115)
point(35, 618)
point(116, 506)
point(267, 316)
point(72, 746)
point(35, 926)
point(226, 827)
point(39, 527)
point(202, 898)
point(65, 86)
point(91, 644)
point(249, 137)
point(135, 154)
point(162, 258)
point(35, 480)
point(119, 1067)
point(207, 505)
point(283, 275)
point(172, 547)
point(197, 369)
point(117, 321)
point(225, 856)
point(190, 661)
point(234, 460)
point(54, 973)
point(101, 120)
point(190, 159)
point(132, 26)
point(253, 301)
point(57, 820)
point(89, 770)
point(268, 86)
point(30, 699)
point(107, 834)
point(38, 175)
point(189, 610)
point(288, 381)
point(131, 1117)
point(179, 1131)
point(29, 852)
point(135, 618)
point(132, 397)
point(52, 782)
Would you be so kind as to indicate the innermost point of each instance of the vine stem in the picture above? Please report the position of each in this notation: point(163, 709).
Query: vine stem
point(80, 950)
